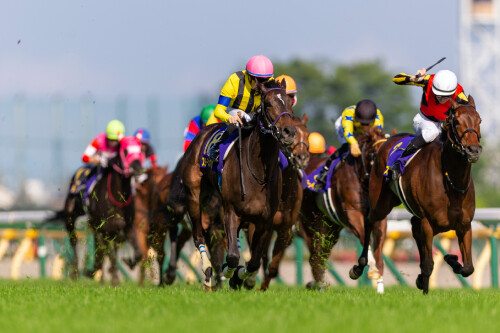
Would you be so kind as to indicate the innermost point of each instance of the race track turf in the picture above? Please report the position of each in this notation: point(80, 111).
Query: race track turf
point(85, 306)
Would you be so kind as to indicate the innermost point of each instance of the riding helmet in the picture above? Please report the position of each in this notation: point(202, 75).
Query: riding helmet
point(366, 111)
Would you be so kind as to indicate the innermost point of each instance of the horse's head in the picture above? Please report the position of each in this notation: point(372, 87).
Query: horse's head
point(276, 112)
point(131, 157)
point(299, 150)
point(369, 143)
point(463, 127)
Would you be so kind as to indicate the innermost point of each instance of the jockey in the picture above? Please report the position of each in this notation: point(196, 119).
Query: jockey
point(438, 90)
point(197, 123)
point(318, 146)
point(291, 87)
point(354, 120)
point(147, 149)
point(105, 145)
point(239, 95)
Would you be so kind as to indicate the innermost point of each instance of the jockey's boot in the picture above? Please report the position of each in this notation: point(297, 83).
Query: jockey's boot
point(415, 144)
point(321, 178)
point(213, 151)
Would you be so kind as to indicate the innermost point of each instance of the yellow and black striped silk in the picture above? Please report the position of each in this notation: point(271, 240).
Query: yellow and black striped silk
point(404, 79)
point(237, 93)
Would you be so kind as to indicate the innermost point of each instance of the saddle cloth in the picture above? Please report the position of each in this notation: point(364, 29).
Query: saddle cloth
point(84, 181)
point(395, 154)
point(311, 178)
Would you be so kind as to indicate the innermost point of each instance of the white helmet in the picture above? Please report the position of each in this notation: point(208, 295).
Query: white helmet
point(444, 83)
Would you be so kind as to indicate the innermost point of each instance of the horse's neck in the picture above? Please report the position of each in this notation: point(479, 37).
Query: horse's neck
point(456, 165)
point(119, 183)
point(264, 148)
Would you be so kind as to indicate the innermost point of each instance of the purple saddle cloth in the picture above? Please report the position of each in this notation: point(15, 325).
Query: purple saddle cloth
point(395, 154)
point(83, 184)
point(311, 178)
point(206, 162)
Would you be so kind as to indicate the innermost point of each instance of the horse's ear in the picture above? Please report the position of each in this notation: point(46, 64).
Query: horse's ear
point(471, 101)
point(283, 84)
point(305, 118)
point(394, 132)
point(454, 105)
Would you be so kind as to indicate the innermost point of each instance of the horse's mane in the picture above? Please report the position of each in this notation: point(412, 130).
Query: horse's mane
point(272, 84)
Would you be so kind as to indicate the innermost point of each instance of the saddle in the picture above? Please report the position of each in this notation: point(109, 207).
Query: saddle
point(311, 178)
point(395, 154)
point(84, 180)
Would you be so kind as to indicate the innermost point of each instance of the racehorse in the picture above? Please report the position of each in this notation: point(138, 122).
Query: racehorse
point(436, 187)
point(176, 217)
point(343, 205)
point(259, 175)
point(291, 200)
point(109, 208)
point(150, 221)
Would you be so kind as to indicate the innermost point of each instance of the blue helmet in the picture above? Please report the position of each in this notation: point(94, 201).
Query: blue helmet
point(143, 135)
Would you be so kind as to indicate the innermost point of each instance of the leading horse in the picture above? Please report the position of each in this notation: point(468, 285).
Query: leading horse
point(259, 175)
point(436, 187)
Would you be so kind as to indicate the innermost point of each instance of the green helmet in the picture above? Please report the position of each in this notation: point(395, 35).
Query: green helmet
point(115, 129)
point(206, 112)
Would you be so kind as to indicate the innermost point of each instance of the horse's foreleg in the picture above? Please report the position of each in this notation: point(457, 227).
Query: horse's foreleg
point(282, 242)
point(113, 257)
point(321, 247)
point(464, 241)
point(259, 240)
point(423, 234)
point(357, 270)
point(231, 228)
point(379, 233)
point(217, 251)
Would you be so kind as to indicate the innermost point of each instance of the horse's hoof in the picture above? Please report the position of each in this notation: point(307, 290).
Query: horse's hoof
point(419, 282)
point(73, 274)
point(249, 283)
point(318, 286)
point(235, 282)
point(169, 278)
point(354, 273)
point(450, 258)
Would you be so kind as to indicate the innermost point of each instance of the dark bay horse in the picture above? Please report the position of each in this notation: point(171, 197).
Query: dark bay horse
point(261, 178)
point(437, 188)
point(150, 220)
point(344, 205)
point(109, 208)
point(291, 199)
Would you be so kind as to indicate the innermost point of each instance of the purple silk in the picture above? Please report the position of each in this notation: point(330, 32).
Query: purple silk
point(396, 152)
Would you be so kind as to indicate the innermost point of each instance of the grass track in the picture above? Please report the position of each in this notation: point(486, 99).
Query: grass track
point(85, 306)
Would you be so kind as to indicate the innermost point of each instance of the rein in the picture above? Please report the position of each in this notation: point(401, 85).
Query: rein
point(271, 128)
point(112, 199)
point(288, 151)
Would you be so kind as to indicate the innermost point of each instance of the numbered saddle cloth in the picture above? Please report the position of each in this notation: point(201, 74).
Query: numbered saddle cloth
point(84, 180)
point(311, 178)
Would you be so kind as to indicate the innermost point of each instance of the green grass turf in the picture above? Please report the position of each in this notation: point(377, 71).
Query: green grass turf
point(85, 306)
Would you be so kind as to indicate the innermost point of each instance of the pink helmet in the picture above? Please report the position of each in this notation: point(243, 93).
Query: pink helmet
point(260, 66)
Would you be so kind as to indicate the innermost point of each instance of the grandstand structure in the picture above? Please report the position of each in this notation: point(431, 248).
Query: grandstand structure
point(479, 49)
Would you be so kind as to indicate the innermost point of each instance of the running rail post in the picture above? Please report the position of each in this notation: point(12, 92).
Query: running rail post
point(299, 254)
point(494, 261)
point(42, 254)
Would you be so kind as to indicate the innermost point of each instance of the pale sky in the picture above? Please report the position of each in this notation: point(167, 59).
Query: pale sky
point(100, 51)
point(172, 48)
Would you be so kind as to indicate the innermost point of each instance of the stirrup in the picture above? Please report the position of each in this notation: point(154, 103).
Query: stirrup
point(395, 169)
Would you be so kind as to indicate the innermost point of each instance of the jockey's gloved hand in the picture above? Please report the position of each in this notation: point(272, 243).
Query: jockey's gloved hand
point(355, 151)
point(103, 161)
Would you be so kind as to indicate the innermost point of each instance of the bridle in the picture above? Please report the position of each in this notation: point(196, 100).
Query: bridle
point(269, 127)
point(456, 144)
point(453, 137)
point(288, 151)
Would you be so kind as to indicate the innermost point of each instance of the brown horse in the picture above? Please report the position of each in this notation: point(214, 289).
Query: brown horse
point(344, 205)
point(291, 200)
point(150, 220)
point(259, 174)
point(436, 187)
point(109, 208)
point(176, 215)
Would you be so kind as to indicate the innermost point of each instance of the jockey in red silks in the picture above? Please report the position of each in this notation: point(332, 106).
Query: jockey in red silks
point(197, 123)
point(147, 149)
point(438, 90)
point(105, 145)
